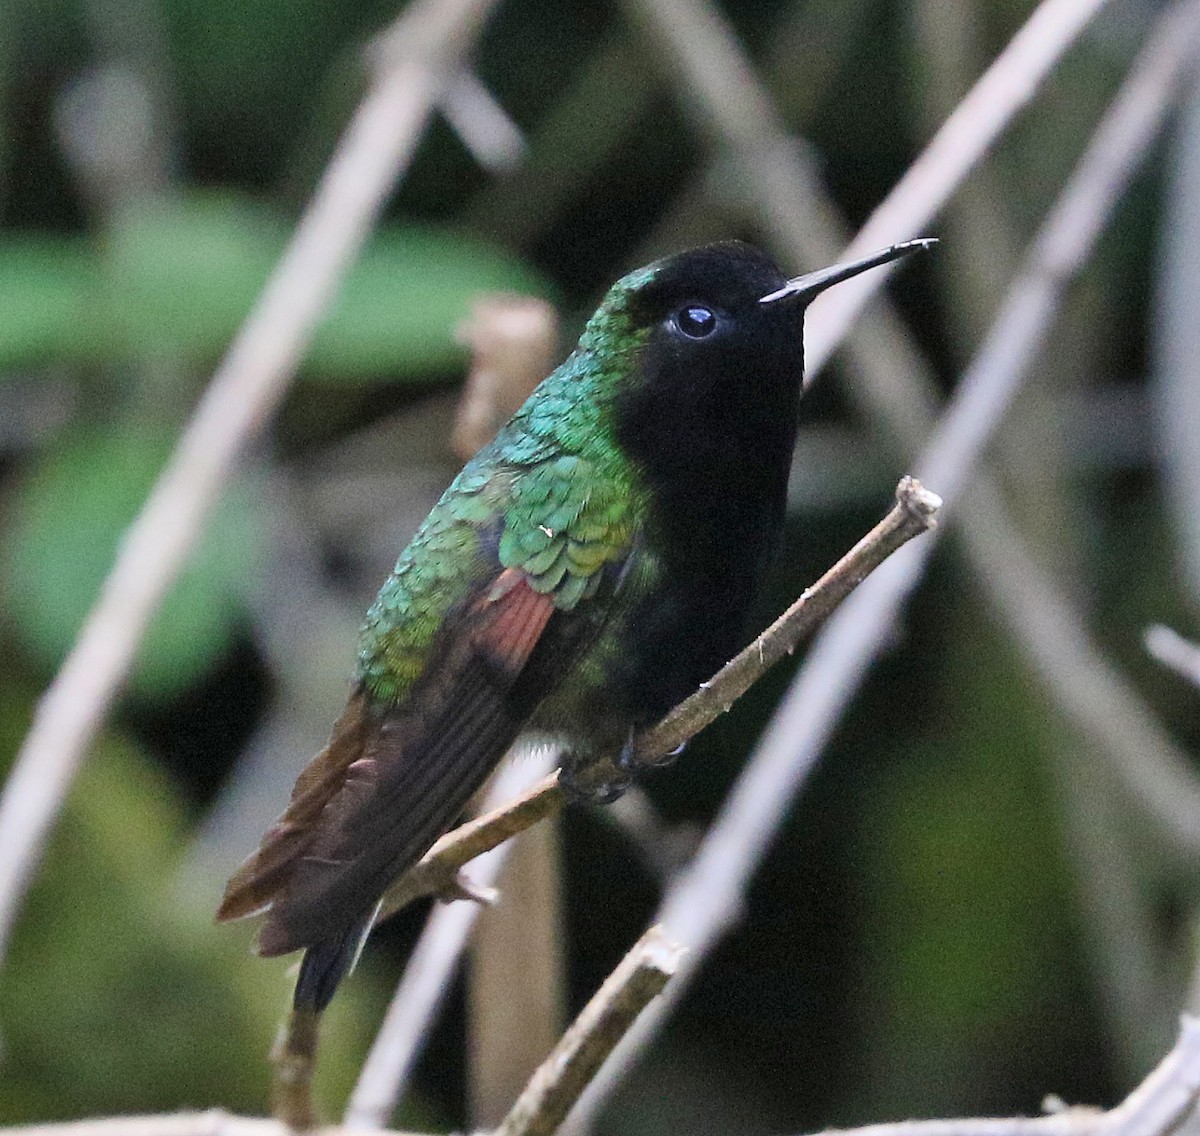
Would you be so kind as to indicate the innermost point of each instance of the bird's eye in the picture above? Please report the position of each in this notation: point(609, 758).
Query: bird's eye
point(695, 321)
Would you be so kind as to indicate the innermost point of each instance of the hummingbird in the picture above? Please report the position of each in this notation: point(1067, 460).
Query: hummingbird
point(584, 573)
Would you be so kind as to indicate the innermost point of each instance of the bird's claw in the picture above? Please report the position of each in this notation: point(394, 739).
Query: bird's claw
point(633, 763)
point(592, 785)
point(601, 783)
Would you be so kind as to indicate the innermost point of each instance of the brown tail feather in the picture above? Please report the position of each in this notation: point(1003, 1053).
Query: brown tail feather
point(265, 873)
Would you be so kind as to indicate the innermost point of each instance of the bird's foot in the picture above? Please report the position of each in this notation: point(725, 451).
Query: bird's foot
point(602, 782)
point(598, 783)
point(635, 764)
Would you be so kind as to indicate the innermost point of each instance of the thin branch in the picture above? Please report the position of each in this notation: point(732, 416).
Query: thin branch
point(705, 900)
point(1063, 243)
point(483, 125)
point(1174, 651)
point(1000, 94)
point(638, 979)
point(425, 47)
point(915, 511)
point(727, 96)
point(1174, 394)
point(437, 872)
point(1090, 691)
point(212, 1122)
point(1156, 1107)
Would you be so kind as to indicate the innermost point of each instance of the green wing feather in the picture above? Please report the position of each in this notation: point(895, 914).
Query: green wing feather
point(510, 577)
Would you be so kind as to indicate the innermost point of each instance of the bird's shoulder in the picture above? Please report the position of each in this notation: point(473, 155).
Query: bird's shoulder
point(557, 521)
point(568, 517)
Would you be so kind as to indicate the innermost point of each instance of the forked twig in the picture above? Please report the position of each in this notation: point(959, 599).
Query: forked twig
point(438, 872)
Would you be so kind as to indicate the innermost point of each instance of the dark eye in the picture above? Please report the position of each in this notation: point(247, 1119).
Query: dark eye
point(695, 321)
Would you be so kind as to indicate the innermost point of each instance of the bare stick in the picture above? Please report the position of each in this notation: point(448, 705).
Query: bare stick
point(436, 873)
point(1000, 94)
point(1174, 651)
point(728, 97)
point(421, 50)
point(915, 511)
point(212, 1122)
point(1157, 1107)
point(555, 1087)
point(516, 976)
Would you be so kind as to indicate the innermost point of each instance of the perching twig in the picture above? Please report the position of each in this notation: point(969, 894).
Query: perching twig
point(423, 49)
point(437, 871)
point(915, 511)
point(555, 1087)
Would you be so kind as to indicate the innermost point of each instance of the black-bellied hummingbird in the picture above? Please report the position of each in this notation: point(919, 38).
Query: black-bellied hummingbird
point(585, 572)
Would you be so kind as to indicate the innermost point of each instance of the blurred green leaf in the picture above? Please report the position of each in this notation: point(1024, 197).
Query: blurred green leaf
point(63, 535)
point(45, 285)
point(184, 273)
point(178, 276)
point(402, 301)
point(970, 932)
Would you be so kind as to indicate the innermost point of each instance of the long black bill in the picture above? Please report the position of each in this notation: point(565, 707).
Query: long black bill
point(804, 288)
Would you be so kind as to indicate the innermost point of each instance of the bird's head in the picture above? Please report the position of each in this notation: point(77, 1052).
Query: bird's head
point(710, 342)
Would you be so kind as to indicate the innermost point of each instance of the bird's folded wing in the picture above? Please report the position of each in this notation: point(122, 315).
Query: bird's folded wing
point(396, 773)
point(390, 783)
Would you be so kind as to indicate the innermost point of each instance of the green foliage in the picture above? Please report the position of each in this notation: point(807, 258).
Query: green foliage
point(120, 994)
point(45, 289)
point(175, 277)
point(181, 274)
point(970, 926)
point(401, 302)
point(60, 542)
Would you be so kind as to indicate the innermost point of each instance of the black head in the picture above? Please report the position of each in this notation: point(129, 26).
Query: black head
point(718, 337)
point(706, 330)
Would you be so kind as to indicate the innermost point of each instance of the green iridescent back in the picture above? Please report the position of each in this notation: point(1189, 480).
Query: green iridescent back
point(551, 495)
